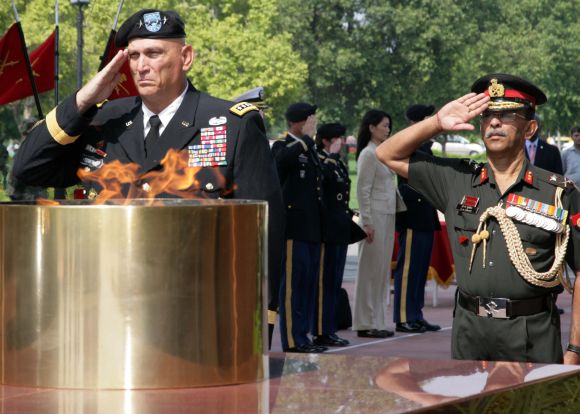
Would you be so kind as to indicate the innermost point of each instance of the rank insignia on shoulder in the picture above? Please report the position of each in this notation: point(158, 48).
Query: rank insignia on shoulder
point(242, 108)
point(557, 180)
point(472, 165)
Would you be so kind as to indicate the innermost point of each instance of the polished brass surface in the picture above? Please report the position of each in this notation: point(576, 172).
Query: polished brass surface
point(133, 296)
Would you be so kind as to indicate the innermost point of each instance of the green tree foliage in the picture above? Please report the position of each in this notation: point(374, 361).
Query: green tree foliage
point(344, 55)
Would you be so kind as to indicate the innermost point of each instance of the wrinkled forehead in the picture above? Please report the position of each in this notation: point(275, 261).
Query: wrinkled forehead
point(143, 43)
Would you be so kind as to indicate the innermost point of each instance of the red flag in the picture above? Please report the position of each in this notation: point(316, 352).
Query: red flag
point(13, 71)
point(42, 61)
point(126, 87)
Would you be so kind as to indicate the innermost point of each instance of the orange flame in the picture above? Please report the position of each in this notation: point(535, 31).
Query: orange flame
point(123, 181)
point(46, 202)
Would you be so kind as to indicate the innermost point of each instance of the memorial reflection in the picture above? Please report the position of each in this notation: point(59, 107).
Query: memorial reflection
point(314, 383)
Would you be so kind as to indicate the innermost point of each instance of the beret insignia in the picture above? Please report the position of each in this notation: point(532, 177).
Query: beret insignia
point(242, 108)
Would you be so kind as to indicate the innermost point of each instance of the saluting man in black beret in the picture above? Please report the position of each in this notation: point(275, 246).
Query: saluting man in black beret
point(217, 136)
point(510, 224)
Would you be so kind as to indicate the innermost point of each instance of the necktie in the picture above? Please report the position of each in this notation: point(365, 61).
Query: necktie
point(532, 153)
point(153, 135)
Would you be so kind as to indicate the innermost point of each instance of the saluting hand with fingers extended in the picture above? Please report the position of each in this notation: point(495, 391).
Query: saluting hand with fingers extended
point(455, 116)
point(102, 84)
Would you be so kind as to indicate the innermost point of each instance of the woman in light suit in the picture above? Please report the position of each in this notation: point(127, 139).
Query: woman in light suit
point(376, 192)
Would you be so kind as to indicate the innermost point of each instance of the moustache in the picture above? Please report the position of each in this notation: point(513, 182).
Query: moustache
point(496, 132)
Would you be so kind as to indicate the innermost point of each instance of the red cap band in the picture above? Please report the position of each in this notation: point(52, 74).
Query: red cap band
point(512, 93)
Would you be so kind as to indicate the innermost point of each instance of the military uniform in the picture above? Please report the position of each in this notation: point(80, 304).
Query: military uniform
point(300, 175)
point(415, 226)
point(240, 167)
point(463, 190)
point(336, 224)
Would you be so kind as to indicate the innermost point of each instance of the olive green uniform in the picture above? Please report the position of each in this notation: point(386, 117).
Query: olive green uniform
point(533, 337)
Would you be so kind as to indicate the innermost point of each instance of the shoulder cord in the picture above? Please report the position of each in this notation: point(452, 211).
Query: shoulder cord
point(519, 258)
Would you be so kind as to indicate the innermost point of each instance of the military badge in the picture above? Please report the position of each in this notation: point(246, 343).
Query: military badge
point(218, 120)
point(152, 21)
point(468, 204)
point(536, 213)
point(212, 150)
point(496, 90)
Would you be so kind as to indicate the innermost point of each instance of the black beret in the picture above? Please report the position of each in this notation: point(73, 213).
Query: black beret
point(299, 111)
point(329, 131)
point(508, 92)
point(151, 23)
point(416, 113)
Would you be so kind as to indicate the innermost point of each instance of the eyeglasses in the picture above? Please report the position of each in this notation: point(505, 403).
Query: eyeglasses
point(504, 117)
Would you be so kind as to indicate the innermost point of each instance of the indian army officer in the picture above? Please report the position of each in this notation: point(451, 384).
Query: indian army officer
point(225, 139)
point(300, 175)
point(336, 219)
point(508, 223)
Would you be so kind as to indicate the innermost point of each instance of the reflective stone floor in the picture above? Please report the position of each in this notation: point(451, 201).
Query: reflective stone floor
point(310, 383)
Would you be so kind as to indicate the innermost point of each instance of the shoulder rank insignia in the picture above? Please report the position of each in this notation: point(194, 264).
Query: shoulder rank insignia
point(242, 108)
point(472, 165)
point(555, 179)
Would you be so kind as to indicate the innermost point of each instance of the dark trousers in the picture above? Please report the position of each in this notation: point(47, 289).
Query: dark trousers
point(411, 274)
point(534, 338)
point(333, 259)
point(297, 291)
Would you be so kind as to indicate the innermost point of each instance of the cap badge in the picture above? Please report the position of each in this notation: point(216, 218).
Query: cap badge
point(218, 120)
point(152, 21)
point(496, 90)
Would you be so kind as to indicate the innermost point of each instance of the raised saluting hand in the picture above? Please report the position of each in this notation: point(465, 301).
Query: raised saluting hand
point(455, 115)
point(102, 84)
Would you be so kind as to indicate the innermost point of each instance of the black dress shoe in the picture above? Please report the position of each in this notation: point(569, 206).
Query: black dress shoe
point(307, 348)
point(330, 340)
point(410, 327)
point(374, 333)
point(429, 326)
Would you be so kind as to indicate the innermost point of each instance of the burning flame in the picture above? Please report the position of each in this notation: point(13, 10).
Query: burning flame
point(176, 178)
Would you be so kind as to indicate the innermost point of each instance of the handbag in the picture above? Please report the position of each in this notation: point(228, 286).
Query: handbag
point(400, 206)
point(356, 232)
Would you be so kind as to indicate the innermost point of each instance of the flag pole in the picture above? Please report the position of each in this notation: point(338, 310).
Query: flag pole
point(27, 61)
point(56, 53)
point(111, 36)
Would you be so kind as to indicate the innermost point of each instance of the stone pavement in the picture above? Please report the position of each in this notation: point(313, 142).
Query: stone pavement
point(430, 345)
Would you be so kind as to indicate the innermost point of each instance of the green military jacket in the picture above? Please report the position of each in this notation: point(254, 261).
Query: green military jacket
point(453, 186)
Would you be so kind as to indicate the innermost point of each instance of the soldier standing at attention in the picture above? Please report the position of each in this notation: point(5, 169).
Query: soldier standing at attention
point(416, 227)
point(300, 175)
point(510, 224)
point(336, 219)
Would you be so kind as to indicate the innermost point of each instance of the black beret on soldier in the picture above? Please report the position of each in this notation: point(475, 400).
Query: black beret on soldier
point(331, 130)
point(508, 92)
point(153, 24)
point(298, 112)
point(418, 112)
